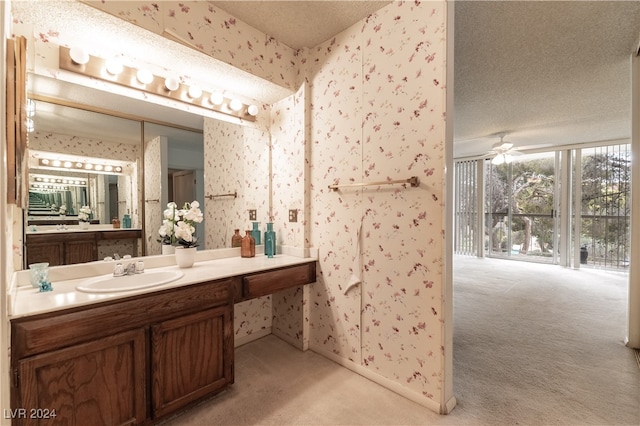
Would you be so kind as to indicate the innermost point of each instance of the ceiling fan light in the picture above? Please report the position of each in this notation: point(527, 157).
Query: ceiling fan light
point(498, 160)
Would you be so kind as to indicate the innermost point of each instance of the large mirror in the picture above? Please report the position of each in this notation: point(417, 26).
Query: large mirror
point(164, 154)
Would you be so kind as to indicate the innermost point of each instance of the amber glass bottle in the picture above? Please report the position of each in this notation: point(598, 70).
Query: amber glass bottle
point(236, 239)
point(248, 248)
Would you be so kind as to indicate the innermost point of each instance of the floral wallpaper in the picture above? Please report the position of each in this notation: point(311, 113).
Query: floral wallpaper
point(236, 161)
point(155, 160)
point(370, 106)
point(377, 91)
point(212, 31)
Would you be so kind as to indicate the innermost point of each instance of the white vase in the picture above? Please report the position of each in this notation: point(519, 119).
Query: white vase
point(185, 257)
point(83, 225)
point(168, 249)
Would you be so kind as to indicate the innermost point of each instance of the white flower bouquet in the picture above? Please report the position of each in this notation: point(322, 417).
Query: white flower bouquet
point(84, 214)
point(178, 225)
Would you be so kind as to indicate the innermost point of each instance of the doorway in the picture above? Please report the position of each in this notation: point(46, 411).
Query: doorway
point(182, 186)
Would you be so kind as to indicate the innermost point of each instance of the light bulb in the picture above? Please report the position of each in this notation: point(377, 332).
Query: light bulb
point(252, 110)
point(497, 160)
point(67, 164)
point(56, 163)
point(235, 105)
point(31, 108)
point(29, 125)
point(114, 66)
point(216, 98)
point(79, 55)
point(144, 76)
point(171, 83)
point(98, 167)
point(195, 92)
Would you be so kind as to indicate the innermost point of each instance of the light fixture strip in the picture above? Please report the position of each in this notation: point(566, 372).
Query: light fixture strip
point(81, 166)
point(97, 67)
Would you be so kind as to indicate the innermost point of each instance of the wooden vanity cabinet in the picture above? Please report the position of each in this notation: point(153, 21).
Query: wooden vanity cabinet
point(101, 382)
point(136, 359)
point(126, 361)
point(188, 358)
point(67, 248)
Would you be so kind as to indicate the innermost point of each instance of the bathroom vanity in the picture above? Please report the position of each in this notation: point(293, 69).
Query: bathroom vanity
point(135, 357)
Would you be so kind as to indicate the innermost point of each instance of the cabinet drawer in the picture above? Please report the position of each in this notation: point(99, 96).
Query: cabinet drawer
point(46, 332)
point(264, 283)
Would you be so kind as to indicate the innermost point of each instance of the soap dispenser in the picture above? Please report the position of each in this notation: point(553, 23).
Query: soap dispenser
point(126, 220)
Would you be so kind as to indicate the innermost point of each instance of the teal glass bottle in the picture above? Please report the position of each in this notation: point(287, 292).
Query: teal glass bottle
point(255, 232)
point(126, 220)
point(270, 241)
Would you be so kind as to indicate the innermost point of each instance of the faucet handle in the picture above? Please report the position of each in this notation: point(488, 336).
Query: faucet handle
point(116, 256)
point(139, 267)
point(118, 271)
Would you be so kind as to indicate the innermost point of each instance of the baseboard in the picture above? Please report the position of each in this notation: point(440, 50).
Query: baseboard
point(389, 384)
point(449, 405)
point(239, 341)
point(293, 342)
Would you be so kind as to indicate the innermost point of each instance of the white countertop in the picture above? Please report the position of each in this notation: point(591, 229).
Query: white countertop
point(27, 300)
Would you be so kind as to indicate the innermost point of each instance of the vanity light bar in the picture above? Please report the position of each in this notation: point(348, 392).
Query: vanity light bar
point(63, 180)
point(80, 165)
point(42, 187)
point(169, 87)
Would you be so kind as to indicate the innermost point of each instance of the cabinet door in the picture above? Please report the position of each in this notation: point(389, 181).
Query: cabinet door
point(192, 357)
point(95, 383)
point(53, 253)
point(80, 251)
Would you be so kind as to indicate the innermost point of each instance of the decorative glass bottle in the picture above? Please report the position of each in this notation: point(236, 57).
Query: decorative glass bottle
point(248, 248)
point(236, 239)
point(270, 241)
point(255, 232)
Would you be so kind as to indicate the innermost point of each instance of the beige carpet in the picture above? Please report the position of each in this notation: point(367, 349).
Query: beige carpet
point(533, 345)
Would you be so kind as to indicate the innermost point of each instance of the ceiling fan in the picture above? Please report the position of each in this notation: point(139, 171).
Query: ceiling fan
point(503, 151)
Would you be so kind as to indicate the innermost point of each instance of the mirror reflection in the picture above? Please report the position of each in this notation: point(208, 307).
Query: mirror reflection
point(174, 171)
point(81, 158)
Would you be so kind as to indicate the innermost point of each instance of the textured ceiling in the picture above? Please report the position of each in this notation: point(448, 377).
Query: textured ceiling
point(548, 73)
point(300, 24)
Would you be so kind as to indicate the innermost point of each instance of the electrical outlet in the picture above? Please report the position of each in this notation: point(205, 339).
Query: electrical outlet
point(293, 215)
point(253, 215)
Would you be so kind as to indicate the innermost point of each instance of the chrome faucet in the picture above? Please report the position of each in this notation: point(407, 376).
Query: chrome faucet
point(120, 270)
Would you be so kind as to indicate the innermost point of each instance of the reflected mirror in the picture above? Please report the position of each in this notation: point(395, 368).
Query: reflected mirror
point(82, 158)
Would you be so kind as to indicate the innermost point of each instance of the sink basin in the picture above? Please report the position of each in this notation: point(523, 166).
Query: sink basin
point(111, 284)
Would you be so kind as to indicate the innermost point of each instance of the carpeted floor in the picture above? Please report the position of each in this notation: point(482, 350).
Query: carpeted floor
point(533, 345)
